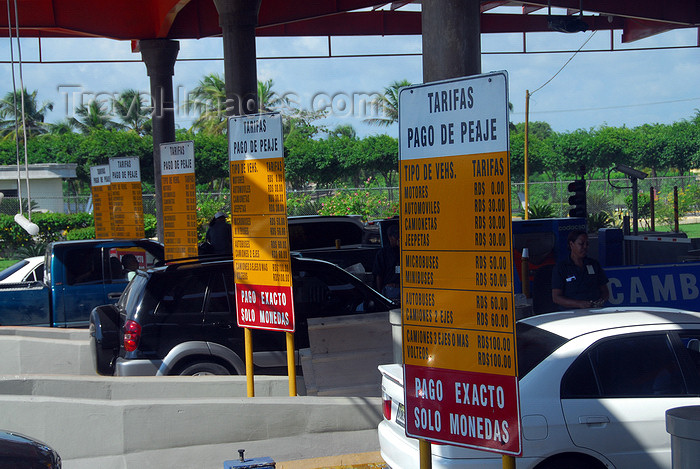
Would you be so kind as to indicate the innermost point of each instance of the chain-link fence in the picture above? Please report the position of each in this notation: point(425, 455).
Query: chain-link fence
point(611, 199)
point(70, 204)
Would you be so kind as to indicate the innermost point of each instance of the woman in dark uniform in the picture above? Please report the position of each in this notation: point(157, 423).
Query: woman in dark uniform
point(578, 281)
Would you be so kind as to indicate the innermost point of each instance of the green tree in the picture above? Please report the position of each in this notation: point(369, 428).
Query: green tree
point(539, 148)
point(301, 120)
point(325, 163)
point(93, 116)
point(211, 159)
point(682, 150)
point(647, 147)
point(268, 99)
point(387, 105)
point(342, 146)
point(343, 131)
point(208, 99)
point(571, 152)
point(535, 129)
point(34, 114)
point(100, 145)
point(85, 150)
point(64, 126)
point(299, 145)
point(380, 154)
point(609, 146)
point(310, 159)
point(134, 110)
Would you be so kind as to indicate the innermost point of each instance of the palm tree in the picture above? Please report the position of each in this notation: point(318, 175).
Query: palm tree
point(62, 127)
point(346, 131)
point(134, 111)
point(208, 98)
point(93, 116)
point(11, 114)
point(268, 99)
point(299, 122)
point(387, 105)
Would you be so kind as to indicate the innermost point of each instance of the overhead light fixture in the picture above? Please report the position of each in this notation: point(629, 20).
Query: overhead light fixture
point(566, 23)
point(28, 226)
point(630, 172)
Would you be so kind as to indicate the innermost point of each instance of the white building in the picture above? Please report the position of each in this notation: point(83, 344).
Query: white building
point(45, 184)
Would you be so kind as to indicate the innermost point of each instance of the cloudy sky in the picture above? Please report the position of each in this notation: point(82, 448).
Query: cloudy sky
point(626, 87)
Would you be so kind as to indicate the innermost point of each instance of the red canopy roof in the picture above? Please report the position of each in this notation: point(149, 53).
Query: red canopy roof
point(193, 19)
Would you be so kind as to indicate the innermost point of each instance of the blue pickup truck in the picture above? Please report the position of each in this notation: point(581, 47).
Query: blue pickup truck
point(79, 275)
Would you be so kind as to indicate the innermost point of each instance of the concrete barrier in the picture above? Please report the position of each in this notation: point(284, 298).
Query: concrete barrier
point(94, 428)
point(45, 350)
point(344, 353)
point(134, 388)
point(49, 390)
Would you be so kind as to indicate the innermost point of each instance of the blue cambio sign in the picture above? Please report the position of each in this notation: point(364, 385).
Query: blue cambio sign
point(669, 285)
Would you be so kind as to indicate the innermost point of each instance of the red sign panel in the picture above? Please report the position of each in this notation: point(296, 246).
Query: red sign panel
point(265, 307)
point(478, 410)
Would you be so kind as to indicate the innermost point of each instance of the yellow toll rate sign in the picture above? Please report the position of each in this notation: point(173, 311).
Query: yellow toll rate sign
point(126, 197)
point(456, 264)
point(261, 256)
point(179, 199)
point(101, 201)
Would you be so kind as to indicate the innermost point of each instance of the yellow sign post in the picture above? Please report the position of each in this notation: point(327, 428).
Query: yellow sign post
point(262, 263)
point(127, 200)
point(101, 201)
point(460, 368)
point(179, 199)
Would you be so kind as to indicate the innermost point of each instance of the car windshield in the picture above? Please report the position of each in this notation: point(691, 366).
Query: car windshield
point(12, 269)
point(534, 345)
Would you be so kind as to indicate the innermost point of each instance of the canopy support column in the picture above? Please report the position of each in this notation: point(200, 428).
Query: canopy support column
point(238, 19)
point(159, 55)
point(451, 39)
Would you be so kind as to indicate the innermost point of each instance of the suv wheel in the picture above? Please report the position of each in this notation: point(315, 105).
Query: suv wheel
point(204, 368)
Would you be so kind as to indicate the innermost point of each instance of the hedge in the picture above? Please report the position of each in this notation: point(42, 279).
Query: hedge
point(53, 227)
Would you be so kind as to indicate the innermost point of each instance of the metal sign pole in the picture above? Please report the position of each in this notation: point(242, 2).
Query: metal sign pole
point(525, 156)
point(250, 379)
point(291, 367)
point(426, 460)
point(508, 462)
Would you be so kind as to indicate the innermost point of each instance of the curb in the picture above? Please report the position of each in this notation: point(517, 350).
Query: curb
point(372, 460)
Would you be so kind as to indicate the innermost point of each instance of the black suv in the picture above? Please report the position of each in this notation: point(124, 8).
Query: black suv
point(180, 319)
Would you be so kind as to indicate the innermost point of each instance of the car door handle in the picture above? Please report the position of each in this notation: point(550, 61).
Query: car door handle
point(593, 420)
point(114, 295)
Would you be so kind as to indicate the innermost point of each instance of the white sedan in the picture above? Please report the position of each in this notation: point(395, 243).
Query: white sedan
point(594, 389)
point(30, 269)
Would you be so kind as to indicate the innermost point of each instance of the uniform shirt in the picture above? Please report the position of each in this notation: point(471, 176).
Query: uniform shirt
point(579, 283)
point(219, 236)
point(385, 265)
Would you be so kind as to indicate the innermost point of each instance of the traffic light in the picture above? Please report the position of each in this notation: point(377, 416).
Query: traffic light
point(578, 198)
